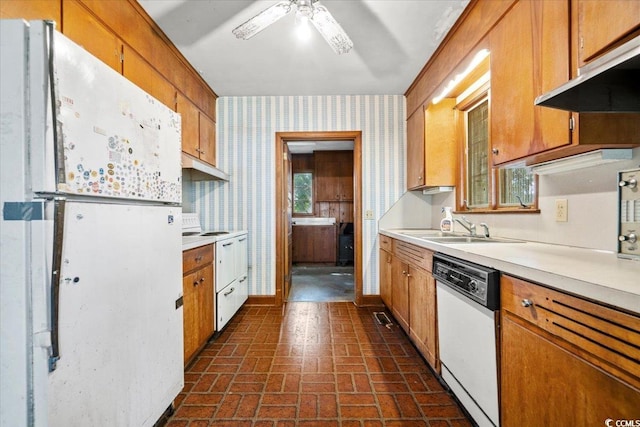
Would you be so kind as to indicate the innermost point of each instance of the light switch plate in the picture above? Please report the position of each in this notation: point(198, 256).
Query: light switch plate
point(561, 210)
point(368, 214)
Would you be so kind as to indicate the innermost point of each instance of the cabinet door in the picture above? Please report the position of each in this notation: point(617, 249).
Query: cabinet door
point(225, 263)
point(415, 149)
point(190, 125)
point(422, 313)
point(327, 171)
point(386, 290)
point(621, 18)
point(138, 71)
point(543, 384)
point(242, 266)
point(529, 56)
point(324, 243)
point(400, 308)
point(190, 308)
point(207, 140)
point(440, 143)
point(346, 176)
point(84, 28)
point(206, 311)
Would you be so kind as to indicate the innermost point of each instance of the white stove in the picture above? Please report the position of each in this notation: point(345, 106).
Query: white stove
point(191, 226)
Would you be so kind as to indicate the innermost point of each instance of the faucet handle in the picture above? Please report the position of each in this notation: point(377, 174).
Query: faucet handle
point(486, 229)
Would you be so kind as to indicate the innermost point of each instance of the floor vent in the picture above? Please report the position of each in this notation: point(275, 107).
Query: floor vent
point(383, 319)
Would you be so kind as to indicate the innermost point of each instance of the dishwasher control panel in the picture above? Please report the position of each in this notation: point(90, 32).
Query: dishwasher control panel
point(629, 216)
point(481, 284)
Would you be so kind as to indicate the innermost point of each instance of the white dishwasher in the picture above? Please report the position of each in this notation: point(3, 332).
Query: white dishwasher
point(468, 297)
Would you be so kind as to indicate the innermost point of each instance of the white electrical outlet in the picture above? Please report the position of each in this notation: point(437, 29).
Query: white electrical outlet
point(561, 210)
point(368, 214)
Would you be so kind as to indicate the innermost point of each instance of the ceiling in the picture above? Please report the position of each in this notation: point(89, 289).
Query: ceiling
point(393, 39)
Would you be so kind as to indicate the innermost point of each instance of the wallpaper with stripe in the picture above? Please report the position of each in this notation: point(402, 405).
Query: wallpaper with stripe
point(246, 128)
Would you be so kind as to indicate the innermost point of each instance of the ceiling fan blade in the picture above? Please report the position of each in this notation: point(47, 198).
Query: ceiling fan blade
point(262, 20)
point(332, 32)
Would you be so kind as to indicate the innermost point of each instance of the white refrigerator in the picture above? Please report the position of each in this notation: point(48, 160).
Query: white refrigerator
point(91, 265)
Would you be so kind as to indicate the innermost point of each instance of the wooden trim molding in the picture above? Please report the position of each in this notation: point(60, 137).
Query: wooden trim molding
point(253, 300)
point(281, 140)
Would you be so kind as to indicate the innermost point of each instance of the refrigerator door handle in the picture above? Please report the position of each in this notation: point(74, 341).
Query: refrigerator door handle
point(58, 233)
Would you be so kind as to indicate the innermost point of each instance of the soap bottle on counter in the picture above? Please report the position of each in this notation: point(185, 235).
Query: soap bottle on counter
point(446, 224)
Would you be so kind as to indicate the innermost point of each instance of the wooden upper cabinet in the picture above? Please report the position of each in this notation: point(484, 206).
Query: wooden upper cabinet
point(84, 28)
point(440, 143)
point(415, 150)
point(31, 9)
point(622, 17)
point(190, 125)
point(431, 145)
point(529, 56)
point(138, 71)
point(333, 176)
point(207, 150)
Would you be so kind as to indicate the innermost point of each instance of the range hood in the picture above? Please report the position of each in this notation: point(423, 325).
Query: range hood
point(610, 83)
point(200, 171)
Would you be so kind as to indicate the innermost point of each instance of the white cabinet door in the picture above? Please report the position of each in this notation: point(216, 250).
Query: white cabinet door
point(241, 256)
point(225, 263)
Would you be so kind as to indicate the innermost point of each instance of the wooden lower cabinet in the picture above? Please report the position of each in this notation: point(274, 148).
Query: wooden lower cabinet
point(314, 243)
point(408, 290)
point(565, 361)
point(386, 290)
point(422, 314)
point(198, 299)
point(400, 283)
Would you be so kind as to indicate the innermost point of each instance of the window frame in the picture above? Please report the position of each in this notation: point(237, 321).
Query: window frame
point(470, 101)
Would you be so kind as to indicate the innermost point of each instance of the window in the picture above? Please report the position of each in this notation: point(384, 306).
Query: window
point(303, 193)
point(486, 188)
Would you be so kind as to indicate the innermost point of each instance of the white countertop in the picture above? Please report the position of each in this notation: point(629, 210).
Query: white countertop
point(190, 242)
point(594, 274)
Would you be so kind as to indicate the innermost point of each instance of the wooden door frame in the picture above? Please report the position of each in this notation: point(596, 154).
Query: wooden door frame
point(283, 138)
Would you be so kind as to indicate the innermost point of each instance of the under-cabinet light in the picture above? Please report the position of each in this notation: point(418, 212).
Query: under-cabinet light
point(585, 160)
point(480, 56)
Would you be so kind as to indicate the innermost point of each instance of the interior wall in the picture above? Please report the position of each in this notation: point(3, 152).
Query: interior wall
point(246, 128)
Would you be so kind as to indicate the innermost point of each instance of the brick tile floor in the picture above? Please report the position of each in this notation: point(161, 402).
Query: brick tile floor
point(312, 364)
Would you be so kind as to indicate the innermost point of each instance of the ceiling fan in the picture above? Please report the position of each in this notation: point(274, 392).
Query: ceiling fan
point(307, 10)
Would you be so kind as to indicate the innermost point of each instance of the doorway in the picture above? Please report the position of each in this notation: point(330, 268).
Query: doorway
point(284, 201)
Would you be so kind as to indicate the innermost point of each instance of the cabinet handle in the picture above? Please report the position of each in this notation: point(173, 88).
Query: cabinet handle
point(229, 291)
point(195, 283)
point(224, 245)
point(495, 151)
point(527, 303)
point(243, 279)
point(404, 272)
point(202, 152)
point(242, 240)
point(202, 280)
point(199, 258)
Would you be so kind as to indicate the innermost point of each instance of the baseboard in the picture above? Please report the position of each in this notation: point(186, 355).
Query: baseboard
point(261, 300)
point(370, 300)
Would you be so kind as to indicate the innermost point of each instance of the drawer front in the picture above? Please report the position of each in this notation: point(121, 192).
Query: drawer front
point(197, 258)
point(608, 334)
point(412, 254)
point(385, 242)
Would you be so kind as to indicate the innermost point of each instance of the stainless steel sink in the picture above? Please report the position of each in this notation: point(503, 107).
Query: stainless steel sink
point(468, 239)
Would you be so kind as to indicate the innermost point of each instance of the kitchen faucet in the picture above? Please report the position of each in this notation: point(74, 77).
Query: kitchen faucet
point(468, 225)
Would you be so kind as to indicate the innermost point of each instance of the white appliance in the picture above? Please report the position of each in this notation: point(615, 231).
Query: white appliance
point(91, 320)
point(468, 297)
point(232, 286)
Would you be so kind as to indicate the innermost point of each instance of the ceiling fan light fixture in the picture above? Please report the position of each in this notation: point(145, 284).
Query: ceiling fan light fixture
point(262, 20)
point(311, 10)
